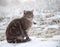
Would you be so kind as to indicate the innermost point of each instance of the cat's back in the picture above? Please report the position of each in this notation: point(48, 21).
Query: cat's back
point(14, 24)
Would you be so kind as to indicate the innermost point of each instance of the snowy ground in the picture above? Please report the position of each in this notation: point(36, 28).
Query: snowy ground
point(48, 21)
point(35, 42)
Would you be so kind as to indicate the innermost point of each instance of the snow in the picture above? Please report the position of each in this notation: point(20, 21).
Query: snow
point(55, 17)
point(26, 0)
point(52, 26)
point(35, 42)
point(14, 9)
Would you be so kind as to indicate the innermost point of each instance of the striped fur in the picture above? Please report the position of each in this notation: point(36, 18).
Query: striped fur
point(16, 30)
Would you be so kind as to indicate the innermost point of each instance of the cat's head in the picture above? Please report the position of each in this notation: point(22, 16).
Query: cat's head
point(28, 14)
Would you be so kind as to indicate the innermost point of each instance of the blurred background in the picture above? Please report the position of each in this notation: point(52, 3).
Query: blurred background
point(46, 16)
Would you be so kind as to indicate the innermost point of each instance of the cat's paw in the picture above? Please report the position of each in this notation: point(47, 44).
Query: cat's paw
point(10, 41)
point(28, 39)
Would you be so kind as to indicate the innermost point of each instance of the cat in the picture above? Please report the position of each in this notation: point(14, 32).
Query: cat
point(17, 29)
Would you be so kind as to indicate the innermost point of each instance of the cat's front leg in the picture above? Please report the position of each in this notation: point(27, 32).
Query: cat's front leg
point(27, 37)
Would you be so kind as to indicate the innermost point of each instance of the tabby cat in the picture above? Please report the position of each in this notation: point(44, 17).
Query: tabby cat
point(16, 31)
